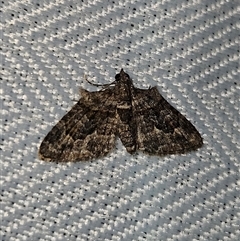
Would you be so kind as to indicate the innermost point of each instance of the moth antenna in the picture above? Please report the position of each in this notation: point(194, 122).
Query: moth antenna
point(98, 85)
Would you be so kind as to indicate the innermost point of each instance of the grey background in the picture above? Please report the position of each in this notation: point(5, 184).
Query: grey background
point(190, 50)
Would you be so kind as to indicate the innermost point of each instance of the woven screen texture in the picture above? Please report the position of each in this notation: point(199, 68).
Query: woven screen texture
point(190, 50)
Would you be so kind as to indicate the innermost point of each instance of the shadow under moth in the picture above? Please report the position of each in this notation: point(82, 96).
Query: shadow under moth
point(141, 118)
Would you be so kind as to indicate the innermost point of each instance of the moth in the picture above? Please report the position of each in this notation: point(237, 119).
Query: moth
point(141, 118)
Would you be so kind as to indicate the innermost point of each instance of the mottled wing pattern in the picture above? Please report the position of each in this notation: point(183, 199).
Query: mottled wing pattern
point(142, 119)
point(87, 131)
point(161, 129)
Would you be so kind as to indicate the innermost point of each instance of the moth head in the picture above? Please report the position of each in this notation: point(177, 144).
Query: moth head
point(122, 77)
